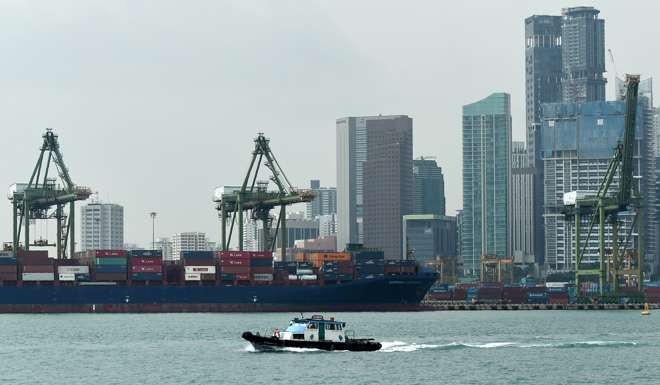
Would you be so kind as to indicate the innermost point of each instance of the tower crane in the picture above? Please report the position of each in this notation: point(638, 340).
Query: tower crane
point(606, 205)
point(42, 198)
point(252, 196)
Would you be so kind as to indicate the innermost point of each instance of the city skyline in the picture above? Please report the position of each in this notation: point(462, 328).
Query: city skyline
point(191, 139)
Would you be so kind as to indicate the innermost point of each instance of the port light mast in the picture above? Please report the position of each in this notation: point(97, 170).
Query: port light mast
point(253, 197)
point(44, 198)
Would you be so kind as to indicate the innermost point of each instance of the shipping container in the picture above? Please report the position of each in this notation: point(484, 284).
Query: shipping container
point(262, 277)
point(262, 270)
point(111, 269)
point(38, 276)
point(242, 277)
point(109, 253)
point(146, 253)
point(236, 269)
point(38, 269)
point(8, 276)
point(292, 277)
point(111, 261)
point(307, 277)
point(197, 254)
point(200, 269)
point(304, 271)
point(73, 269)
point(66, 277)
point(227, 276)
point(8, 268)
point(147, 276)
point(233, 255)
point(193, 276)
point(234, 262)
point(146, 261)
point(147, 269)
point(261, 262)
point(7, 254)
point(207, 276)
point(110, 276)
point(8, 261)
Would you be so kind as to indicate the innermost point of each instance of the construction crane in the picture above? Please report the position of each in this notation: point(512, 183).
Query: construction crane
point(606, 207)
point(43, 198)
point(253, 196)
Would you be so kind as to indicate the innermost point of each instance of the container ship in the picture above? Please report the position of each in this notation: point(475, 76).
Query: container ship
point(116, 281)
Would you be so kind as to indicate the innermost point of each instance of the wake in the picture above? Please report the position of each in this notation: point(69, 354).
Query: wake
point(400, 346)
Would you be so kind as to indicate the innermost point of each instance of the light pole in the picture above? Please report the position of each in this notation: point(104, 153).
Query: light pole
point(153, 230)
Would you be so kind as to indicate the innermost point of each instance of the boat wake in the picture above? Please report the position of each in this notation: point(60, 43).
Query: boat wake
point(249, 348)
point(400, 346)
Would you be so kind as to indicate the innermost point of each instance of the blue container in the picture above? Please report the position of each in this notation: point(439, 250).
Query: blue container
point(227, 276)
point(370, 276)
point(110, 268)
point(82, 277)
point(145, 253)
point(261, 262)
point(345, 277)
point(197, 254)
point(147, 276)
point(7, 261)
point(370, 269)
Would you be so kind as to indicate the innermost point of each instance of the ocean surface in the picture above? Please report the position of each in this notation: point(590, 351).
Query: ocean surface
point(479, 347)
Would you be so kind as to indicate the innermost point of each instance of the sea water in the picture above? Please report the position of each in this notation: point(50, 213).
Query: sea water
point(478, 347)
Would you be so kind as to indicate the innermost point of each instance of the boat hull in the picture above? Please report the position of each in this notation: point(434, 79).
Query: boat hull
point(263, 343)
point(386, 294)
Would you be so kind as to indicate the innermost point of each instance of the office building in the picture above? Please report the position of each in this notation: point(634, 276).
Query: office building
point(427, 236)
point(388, 183)
point(189, 241)
point(429, 192)
point(102, 226)
point(522, 206)
point(351, 155)
point(328, 225)
point(324, 203)
point(485, 224)
point(165, 245)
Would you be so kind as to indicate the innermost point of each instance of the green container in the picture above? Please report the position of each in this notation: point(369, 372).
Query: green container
point(111, 261)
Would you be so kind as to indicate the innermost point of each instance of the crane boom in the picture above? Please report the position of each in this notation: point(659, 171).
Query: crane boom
point(628, 146)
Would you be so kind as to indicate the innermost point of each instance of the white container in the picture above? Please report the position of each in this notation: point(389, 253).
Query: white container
point(308, 277)
point(571, 197)
point(262, 277)
point(222, 190)
point(67, 277)
point(73, 269)
point(6, 254)
point(293, 277)
point(304, 271)
point(193, 277)
point(38, 276)
point(200, 269)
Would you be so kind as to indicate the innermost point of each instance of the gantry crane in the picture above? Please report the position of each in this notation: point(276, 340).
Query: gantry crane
point(606, 207)
point(253, 196)
point(42, 198)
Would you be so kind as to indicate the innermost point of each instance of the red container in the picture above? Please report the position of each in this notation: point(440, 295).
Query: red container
point(262, 255)
point(110, 276)
point(110, 253)
point(35, 259)
point(38, 269)
point(460, 294)
point(147, 269)
point(236, 269)
point(558, 298)
point(33, 253)
point(146, 261)
point(8, 276)
point(262, 270)
point(234, 262)
point(243, 277)
point(233, 255)
point(8, 269)
point(440, 296)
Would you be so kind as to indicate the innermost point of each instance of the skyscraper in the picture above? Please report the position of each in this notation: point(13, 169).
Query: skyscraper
point(324, 203)
point(429, 193)
point(583, 55)
point(485, 217)
point(351, 155)
point(522, 205)
point(102, 226)
point(189, 241)
point(388, 183)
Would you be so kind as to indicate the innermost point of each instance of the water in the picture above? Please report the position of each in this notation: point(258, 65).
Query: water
point(493, 347)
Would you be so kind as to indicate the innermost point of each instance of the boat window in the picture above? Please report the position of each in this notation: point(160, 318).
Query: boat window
point(338, 326)
point(298, 336)
point(331, 326)
point(313, 325)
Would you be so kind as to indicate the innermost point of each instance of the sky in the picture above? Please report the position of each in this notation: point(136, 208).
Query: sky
point(157, 102)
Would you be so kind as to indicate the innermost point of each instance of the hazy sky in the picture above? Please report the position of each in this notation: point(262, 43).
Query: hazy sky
point(157, 102)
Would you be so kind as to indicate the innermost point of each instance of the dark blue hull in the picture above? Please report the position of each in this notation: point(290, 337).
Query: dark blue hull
point(389, 293)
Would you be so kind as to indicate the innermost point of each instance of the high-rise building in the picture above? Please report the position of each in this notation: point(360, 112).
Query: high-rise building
point(388, 183)
point(583, 55)
point(165, 245)
point(351, 155)
point(102, 226)
point(485, 221)
point(189, 241)
point(522, 205)
point(327, 225)
point(429, 193)
point(324, 203)
point(578, 141)
point(298, 228)
point(427, 236)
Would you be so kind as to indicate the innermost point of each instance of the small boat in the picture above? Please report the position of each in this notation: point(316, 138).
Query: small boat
point(312, 333)
point(646, 310)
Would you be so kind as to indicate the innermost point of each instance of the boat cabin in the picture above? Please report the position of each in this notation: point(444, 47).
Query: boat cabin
point(315, 329)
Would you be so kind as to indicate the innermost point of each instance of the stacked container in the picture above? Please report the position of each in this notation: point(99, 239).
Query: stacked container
point(199, 266)
point(69, 270)
point(400, 267)
point(8, 266)
point(36, 266)
point(261, 266)
point(110, 265)
point(369, 264)
point(146, 265)
point(234, 265)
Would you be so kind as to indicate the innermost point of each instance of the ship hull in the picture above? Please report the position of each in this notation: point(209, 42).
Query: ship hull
point(386, 294)
point(268, 344)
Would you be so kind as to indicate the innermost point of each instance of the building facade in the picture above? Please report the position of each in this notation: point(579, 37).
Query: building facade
point(324, 203)
point(429, 193)
point(427, 236)
point(165, 245)
point(578, 141)
point(351, 155)
point(388, 183)
point(522, 205)
point(102, 226)
point(485, 221)
point(189, 241)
